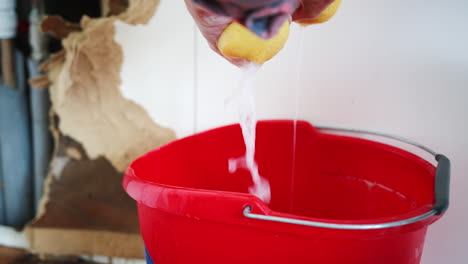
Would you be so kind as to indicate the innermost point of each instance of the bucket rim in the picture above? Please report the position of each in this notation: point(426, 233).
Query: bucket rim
point(252, 204)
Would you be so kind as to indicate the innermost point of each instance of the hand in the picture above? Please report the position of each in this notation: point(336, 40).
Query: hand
point(212, 17)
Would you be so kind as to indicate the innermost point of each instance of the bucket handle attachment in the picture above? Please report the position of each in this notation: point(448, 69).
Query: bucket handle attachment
point(441, 192)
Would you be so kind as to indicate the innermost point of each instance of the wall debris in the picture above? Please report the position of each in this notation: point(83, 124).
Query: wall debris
point(85, 80)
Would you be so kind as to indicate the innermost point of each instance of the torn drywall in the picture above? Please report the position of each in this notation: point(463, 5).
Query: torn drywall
point(84, 209)
point(85, 90)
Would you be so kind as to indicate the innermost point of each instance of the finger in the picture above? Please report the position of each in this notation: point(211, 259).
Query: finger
point(310, 9)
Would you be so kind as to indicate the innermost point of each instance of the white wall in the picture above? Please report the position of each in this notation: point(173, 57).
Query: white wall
point(393, 66)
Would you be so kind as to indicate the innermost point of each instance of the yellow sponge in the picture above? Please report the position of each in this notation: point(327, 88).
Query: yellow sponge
point(324, 16)
point(237, 42)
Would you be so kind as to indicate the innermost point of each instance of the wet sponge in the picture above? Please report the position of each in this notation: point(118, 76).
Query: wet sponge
point(237, 42)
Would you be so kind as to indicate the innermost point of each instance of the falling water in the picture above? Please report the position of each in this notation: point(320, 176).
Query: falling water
point(297, 90)
point(248, 122)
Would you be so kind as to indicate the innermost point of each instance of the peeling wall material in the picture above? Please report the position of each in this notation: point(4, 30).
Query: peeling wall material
point(97, 132)
point(85, 90)
point(113, 7)
point(85, 210)
point(58, 27)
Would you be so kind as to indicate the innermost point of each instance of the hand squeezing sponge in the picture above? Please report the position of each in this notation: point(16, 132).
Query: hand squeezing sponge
point(238, 43)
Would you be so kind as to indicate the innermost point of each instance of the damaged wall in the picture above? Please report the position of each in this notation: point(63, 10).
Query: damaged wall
point(85, 90)
point(85, 210)
point(97, 134)
point(159, 59)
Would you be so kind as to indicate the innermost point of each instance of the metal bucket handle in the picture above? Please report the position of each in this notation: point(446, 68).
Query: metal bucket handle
point(441, 192)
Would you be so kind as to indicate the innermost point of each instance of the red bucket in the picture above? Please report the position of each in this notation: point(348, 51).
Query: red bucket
point(343, 200)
